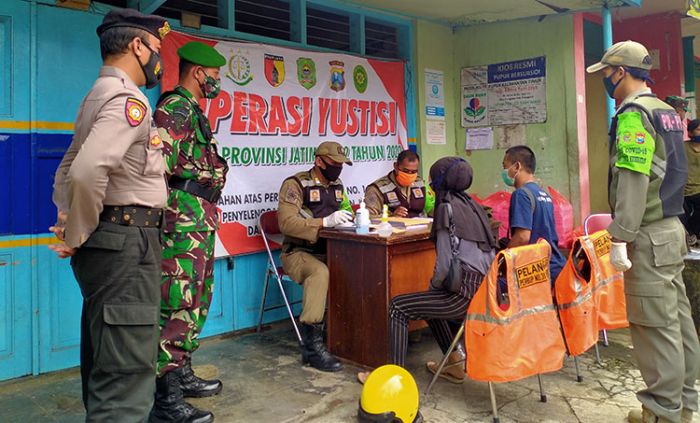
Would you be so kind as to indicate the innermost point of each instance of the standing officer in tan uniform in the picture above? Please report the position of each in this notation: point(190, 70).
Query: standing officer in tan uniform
point(309, 201)
point(648, 170)
point(110, 192)
point(402, 190)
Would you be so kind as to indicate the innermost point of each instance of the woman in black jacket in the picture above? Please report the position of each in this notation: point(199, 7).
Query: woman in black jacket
point(475, 246)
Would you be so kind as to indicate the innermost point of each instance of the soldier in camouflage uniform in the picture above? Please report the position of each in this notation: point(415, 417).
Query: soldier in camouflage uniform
point(196, 175)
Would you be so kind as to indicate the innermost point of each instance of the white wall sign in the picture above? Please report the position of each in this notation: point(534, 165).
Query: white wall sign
point(504, 93)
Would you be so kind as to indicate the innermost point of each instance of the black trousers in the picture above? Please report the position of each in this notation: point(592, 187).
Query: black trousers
point(438, 307)
point(118, 270)
point(691, 219)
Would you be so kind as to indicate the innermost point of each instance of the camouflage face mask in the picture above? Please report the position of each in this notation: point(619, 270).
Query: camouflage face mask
point(210, 87)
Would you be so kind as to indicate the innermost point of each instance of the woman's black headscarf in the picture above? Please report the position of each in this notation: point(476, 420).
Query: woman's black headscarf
point(450, 178)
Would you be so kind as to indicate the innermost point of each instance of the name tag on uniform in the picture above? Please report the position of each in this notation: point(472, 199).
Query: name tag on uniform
point(417, 193)
point(338, 195)
point(391, 196)
point(314, 196)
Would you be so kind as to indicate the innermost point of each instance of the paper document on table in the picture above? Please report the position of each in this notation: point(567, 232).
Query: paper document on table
point(411, 221)
point(408, 223)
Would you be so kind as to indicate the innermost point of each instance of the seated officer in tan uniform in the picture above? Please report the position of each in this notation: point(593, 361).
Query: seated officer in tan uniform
point(402, 190)
point(309, 201)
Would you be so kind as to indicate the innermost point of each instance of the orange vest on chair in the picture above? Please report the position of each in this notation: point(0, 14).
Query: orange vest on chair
point(525, 339)
point(608, 286)
point(574, 293)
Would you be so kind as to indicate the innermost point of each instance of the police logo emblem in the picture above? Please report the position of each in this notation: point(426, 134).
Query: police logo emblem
point(135, 111)
point(314, 196)
point(239, 70)
point(640, 138)
point(274, 69)
point(339, 195)
point(306, 72)
point(392, 197)
point(417, 193)
point(337, 75)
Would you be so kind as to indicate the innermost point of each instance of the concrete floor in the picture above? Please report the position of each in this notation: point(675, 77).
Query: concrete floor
point(264, 382)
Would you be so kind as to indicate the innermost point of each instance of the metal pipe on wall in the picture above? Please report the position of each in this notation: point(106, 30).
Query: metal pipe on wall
point(607, 42)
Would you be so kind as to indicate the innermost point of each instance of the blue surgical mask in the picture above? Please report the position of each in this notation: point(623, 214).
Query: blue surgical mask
point(611, 86)
point(695, 138)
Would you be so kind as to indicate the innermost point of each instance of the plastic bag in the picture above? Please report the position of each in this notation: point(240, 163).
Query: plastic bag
point(500, 205)
point(563, 218)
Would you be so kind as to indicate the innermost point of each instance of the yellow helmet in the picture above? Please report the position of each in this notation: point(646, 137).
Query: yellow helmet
point(390, 395)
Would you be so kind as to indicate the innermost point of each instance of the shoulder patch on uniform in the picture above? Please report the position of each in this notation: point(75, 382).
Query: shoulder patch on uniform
point(135, 111)
point(291, 196)
point(635, 145)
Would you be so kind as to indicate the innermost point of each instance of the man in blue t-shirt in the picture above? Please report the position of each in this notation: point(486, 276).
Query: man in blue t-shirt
point(529, 222)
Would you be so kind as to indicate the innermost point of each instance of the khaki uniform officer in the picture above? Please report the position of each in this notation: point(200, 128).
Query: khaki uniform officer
point(648, 170)
point(110, 192)
point(402, 190)
point(309, 201)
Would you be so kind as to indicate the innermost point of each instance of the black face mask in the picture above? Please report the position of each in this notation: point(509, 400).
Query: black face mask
point(152, 70)
point(331, 173)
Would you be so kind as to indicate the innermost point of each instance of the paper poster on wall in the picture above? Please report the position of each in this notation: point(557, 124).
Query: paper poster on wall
point(479, 138)
point(474, 104)
point(435, 131)
point(504, 93)
point(276, 105)
point(434, 94)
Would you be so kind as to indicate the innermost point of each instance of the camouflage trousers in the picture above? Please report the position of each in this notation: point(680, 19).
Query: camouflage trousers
point(186, 289)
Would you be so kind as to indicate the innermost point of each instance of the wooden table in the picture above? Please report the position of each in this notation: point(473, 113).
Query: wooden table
point(366, 272)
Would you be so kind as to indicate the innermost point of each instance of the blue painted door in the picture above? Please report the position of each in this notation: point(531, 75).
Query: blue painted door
point(68, 62)
point(15, 251)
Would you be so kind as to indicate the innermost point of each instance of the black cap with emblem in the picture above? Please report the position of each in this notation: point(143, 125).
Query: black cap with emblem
point(153, 24)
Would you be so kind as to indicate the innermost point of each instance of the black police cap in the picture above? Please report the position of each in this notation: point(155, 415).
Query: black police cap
point(155, 25)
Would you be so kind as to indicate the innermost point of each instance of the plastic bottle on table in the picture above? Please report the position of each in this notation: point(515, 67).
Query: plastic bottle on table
point(362, 220)
point(385, 229)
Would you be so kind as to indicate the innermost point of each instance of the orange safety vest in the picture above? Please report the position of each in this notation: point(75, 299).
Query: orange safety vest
point(608, 286)
point(524, 339)
point(574, 293)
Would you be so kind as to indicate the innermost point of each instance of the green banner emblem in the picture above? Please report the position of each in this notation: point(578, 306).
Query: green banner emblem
point(359, 76)
point(306, 72)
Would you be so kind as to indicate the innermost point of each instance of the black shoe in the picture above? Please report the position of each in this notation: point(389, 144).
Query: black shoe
point(196, 387)
point(314, 352)
point(170, 406)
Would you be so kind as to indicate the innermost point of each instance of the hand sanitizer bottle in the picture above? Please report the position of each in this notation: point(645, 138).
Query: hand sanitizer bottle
point(362, 220)
point(385, 229)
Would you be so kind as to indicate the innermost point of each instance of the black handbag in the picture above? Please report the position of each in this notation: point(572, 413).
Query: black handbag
point(455, 274)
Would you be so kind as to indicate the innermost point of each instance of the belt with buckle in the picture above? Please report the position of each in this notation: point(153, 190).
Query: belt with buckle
point(132, 216)
point(212, 195)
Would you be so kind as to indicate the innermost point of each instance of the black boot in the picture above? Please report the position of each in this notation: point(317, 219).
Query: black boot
point(314, 351)
point(170, 406)
point(195, 387)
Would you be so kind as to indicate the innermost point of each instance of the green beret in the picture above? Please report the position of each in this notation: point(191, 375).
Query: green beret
point(201, 54)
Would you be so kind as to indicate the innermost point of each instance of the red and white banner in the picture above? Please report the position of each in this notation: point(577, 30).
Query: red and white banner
point(276, 105)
